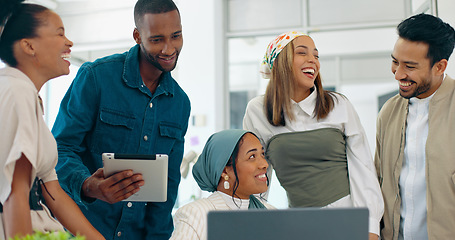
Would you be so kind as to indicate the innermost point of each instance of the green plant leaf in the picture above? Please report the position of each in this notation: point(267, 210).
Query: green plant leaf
point(49, 236)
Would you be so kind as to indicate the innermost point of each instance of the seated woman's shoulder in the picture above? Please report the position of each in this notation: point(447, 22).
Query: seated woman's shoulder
point(197, 208)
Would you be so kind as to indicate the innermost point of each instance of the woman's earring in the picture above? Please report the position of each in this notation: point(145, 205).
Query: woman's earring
point(226, 183)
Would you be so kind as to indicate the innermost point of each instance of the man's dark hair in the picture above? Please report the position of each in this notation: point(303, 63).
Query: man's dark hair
point(151, 6)
point(439, 36)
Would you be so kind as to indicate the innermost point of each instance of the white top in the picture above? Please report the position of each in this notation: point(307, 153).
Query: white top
point(235, 203)
point(413, 186)
point(23, 131)
point(190, 221)
point(363, 180)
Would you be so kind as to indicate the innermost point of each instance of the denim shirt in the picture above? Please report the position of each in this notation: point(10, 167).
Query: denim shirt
point(108, 108)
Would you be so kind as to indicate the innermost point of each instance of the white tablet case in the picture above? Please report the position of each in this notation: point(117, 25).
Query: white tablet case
point(153, 168)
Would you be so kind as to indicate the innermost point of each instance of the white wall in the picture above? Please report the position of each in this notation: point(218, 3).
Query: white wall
point(197, 76)
point(446, 12)
point(196, 66)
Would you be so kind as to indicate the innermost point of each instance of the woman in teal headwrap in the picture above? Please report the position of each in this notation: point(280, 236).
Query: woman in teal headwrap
point(233, 167)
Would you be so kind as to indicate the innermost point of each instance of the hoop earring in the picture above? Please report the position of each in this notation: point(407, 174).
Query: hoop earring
point(226, 183)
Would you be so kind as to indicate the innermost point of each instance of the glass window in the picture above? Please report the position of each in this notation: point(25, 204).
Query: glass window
point(244, 76)
point(355, 41)
point(419, 4)
point(91, 24)
point(256, 15)
point(245, 56)
point(364, 69)
point(328, 71)
point(354, 11)
point(53, 92)
point(238, 102)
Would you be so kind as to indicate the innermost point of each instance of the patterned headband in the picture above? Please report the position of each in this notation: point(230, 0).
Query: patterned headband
point(274, 48)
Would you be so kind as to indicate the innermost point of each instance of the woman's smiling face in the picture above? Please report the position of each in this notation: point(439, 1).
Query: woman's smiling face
point(305, 66)
point(52, 48)
point(251, 167)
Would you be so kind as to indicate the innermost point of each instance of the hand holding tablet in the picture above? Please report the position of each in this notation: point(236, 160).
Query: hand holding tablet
point(154, 170)
point(115, 188)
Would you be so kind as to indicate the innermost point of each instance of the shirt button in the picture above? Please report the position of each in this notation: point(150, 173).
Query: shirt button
point(151, 105)
point(146, 138)
point(119, 234)
point(129, 204)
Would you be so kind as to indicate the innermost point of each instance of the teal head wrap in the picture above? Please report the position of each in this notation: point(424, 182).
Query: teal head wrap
point(210, 164)
point(217, 151)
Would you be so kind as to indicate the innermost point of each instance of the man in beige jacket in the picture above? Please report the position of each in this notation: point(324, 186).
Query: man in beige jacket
point(415, 142)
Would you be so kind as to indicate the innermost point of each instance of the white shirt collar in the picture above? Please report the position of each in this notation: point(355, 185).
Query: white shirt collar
point(422, 100)
point(307, 104)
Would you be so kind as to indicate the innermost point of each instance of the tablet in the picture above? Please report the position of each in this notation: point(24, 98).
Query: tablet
point(152, 167)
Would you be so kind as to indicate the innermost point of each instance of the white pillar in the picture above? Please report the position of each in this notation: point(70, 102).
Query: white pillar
point(446, 13)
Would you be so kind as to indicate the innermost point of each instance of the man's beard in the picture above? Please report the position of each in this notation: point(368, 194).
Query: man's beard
point(152, 60)
point(420, 90)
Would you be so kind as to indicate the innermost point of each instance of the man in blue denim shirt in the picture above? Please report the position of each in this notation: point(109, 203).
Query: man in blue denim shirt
point(126, 103)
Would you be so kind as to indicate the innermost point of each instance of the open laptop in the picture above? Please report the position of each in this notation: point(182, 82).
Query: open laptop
point(284, 224)
point(154, 169)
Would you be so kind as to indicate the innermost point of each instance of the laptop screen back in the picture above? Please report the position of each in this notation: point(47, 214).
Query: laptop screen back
point(295, 223)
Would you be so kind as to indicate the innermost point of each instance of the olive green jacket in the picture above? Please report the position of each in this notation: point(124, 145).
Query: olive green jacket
point(440, 162)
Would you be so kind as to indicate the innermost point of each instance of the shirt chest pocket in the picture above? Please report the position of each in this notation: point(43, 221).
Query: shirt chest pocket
point(116, 118)
point(169, 133)
point(113, 132)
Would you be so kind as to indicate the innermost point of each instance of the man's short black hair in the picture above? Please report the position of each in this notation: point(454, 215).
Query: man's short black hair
point(151, 6)
point(439, 36)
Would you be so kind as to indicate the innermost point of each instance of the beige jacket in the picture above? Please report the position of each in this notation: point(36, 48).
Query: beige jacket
point(440, 161)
